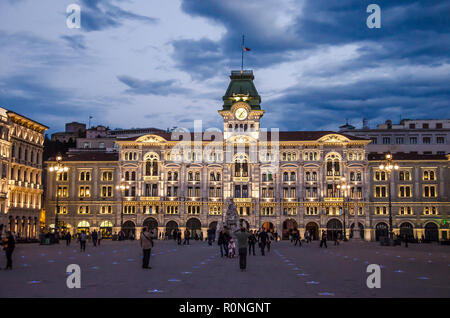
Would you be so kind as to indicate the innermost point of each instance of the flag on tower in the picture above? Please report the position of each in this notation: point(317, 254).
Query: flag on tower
point(245, 48)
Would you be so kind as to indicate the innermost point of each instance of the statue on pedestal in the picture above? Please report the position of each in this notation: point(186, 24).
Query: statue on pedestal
point(232, 219)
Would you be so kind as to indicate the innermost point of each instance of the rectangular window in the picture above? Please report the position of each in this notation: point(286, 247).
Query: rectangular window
point(404, 191)
point(413, 140)
point(426, 140)
point(429, 191)
point(440, 140)
point(107, 176)
point(386, 140)
point(84, 191)
point(374, 140)
point(399, 140)
point(380, 192)
point(439, 126)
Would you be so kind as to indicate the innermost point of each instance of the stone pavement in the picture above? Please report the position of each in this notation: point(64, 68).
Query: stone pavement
point(114, 270)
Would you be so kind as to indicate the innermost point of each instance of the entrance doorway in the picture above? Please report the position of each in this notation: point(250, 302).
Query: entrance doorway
point(381, 231)
point(152, 225)
point(313, 230)
point(106, 229)
point(129, 229)
point(195, 227)
point(431, 232)
point(171, 226)
point(288, 226)
point(361, 230)
point(334, 226)
point(406, 230)
point(268, 226)
point(83, 226)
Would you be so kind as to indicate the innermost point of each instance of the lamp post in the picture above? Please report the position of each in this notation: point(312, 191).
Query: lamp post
point(387, 166)
point(344, 186)
point(356, 229)
point(122, 187)
point(59, 168)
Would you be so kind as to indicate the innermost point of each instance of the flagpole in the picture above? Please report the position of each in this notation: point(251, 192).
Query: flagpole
point(242, 52)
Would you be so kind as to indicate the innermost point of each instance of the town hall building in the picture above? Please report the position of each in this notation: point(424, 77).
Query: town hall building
point(279, 180)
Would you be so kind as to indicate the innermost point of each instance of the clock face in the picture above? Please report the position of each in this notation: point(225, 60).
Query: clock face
point(241, 113)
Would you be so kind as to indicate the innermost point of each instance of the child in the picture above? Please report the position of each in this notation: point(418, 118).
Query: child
point(232, 248)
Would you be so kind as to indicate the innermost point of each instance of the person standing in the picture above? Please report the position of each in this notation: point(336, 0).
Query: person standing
point(298, 239)
point(187, 234)
point(146, 244)
point(94, 237)
point(251, 243)
point(9, 244)
point(323, 241)
point(242, 237)
point(83, 239)
point(99, 237)
point(263, 238)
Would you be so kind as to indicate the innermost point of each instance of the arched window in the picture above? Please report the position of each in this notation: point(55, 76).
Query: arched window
point(212, 177)
point(264, 177)
point(333, 164)
point(292, 176)
point(197, 176)
point(133, 175)
point(175, 176)
point(285, 176)
point(218, 176)
point(151, 164)
point(308, 176)
point(169, 176)
point(240, 166)
point(190, 176)
point(127, 175)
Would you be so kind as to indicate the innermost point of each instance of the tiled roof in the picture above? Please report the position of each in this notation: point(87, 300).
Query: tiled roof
point(406, 156)
point(90, 156)
point(283, 136)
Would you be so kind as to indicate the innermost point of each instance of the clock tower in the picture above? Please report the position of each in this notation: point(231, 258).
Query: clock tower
point(241, 110)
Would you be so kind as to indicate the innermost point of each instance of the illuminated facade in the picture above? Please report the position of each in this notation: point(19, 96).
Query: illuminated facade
point(278, 180)
point(21, 149)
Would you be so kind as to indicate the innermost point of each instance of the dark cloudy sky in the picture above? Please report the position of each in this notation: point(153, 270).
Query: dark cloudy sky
point(154, 63)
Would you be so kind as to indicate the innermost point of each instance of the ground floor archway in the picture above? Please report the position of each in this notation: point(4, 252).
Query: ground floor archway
point(195, 227)
point(152, 226)
point(83, 226)
point(288, 226)
point(406, 230)
point(313, 230)
point(106, 229)
point(381, 230)
point(334, 227)
point(431, 232)
point(268, 226)
point(129, 229)
point(361, 230)
point(171, 226)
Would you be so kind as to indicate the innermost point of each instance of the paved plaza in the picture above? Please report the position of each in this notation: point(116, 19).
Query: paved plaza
point(114, 270)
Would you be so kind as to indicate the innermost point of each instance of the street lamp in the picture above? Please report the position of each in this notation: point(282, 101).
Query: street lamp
point(122, 187)
point(356, 229)
point(387, 166)
point(59, 168)
point(344, 186)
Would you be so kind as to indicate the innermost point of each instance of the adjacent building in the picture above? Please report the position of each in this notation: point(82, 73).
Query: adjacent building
point(21, 148)
point(420, 136)
point(312, 180)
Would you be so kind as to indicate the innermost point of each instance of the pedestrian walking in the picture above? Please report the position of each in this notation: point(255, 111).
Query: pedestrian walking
point(179, 237)
point(83, 238)
point(405, 237)
point(146, 245)
point(323, 241)
point(297, 238)
point(337, 238)
point(269, 240)
point(68, 238)
point(94, 237)
point(9, 243)
point(251, 243)
point(187, 235)
point(242, 237)
point(262, 239)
